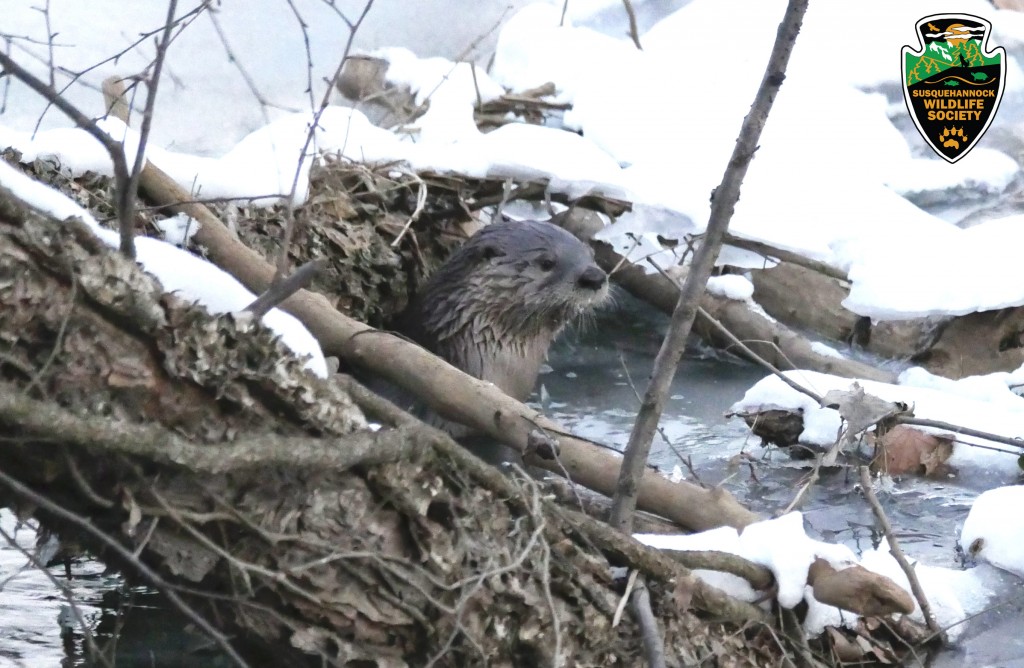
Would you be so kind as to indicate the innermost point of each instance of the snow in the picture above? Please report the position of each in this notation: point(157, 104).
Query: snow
point(450, 88)
point(956, 402)
point(780, 544)
point(783, 546)
point(731, 286)
point(639, 138)
point(996, 522)
point(178, 229)
point(953, 595)
point(178, 271)
point(825, 350)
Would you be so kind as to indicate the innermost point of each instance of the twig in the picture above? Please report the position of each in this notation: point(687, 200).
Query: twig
point(654, 648)
point(114, 149)
point(58, 343)
point(289, 229)
point(145, 571)
point(956, 429)
point(744, 348)
point(897, 553)
point(126, 197)
point(630, 583)
point(634, 31)
point(784, 255)
point(182, 21)
point(812, 478)
point(282, 290)
point(49, 44)
point(723, 203)
point(421, 203)
point(246, 77)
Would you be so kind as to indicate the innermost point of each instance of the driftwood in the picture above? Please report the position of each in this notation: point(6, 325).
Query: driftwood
point(266, 505)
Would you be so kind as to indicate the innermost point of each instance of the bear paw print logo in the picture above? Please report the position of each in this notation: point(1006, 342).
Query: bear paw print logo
point(948, 138)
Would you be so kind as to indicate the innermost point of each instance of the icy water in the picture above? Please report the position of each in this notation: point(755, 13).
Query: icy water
point(589, 387)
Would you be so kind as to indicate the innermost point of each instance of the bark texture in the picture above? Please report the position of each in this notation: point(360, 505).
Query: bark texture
point(260, 496)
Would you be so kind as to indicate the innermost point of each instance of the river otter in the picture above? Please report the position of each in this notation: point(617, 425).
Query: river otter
point(496, 305)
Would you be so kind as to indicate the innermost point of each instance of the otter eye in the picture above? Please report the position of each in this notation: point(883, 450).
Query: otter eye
point(546, 264)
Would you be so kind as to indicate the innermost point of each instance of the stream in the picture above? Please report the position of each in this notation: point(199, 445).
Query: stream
point(589, 388)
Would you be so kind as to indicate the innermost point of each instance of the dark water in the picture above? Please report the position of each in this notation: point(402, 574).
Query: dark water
point(589, 388)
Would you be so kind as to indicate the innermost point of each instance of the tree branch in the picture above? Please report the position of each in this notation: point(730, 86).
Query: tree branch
point(723, 203)
point(114, 148)
point(897, 553)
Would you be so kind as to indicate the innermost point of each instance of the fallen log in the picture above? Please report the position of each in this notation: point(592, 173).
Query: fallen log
point(779, 345)
point(953, 347)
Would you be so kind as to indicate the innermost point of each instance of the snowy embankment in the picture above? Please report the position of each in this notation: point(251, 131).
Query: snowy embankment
point(657, 128)
point(827, 182)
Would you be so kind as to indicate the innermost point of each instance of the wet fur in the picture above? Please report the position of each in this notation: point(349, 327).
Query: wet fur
point(496, 305)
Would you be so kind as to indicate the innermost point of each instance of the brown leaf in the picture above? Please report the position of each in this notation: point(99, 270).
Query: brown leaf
point(846, 650)
point(904, 449)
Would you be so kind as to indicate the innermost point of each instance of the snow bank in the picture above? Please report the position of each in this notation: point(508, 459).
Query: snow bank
point(994, 529)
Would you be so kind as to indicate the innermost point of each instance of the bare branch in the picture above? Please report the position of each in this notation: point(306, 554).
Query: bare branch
point(289, 230)
point(723, 203)
point(282, 290)
point(126, 196)
point(966, 431)
point(897, 553)
point(114, 148)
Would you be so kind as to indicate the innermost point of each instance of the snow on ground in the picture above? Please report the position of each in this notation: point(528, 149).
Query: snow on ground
point(178, 271)
point(985, 403)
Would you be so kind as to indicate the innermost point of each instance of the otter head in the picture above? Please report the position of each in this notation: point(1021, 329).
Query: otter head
point(496, 305)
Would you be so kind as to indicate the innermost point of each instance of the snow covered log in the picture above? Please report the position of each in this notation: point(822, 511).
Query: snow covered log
point(950, 346)
point(259, 496)
point(767, 338)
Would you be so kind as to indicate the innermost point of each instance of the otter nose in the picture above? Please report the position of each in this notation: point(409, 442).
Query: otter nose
point(592, 278)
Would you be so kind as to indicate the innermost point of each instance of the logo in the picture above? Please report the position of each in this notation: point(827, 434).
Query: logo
point(954, 83)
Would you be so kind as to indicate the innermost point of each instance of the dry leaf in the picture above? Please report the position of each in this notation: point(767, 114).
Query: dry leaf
point(904, 449)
